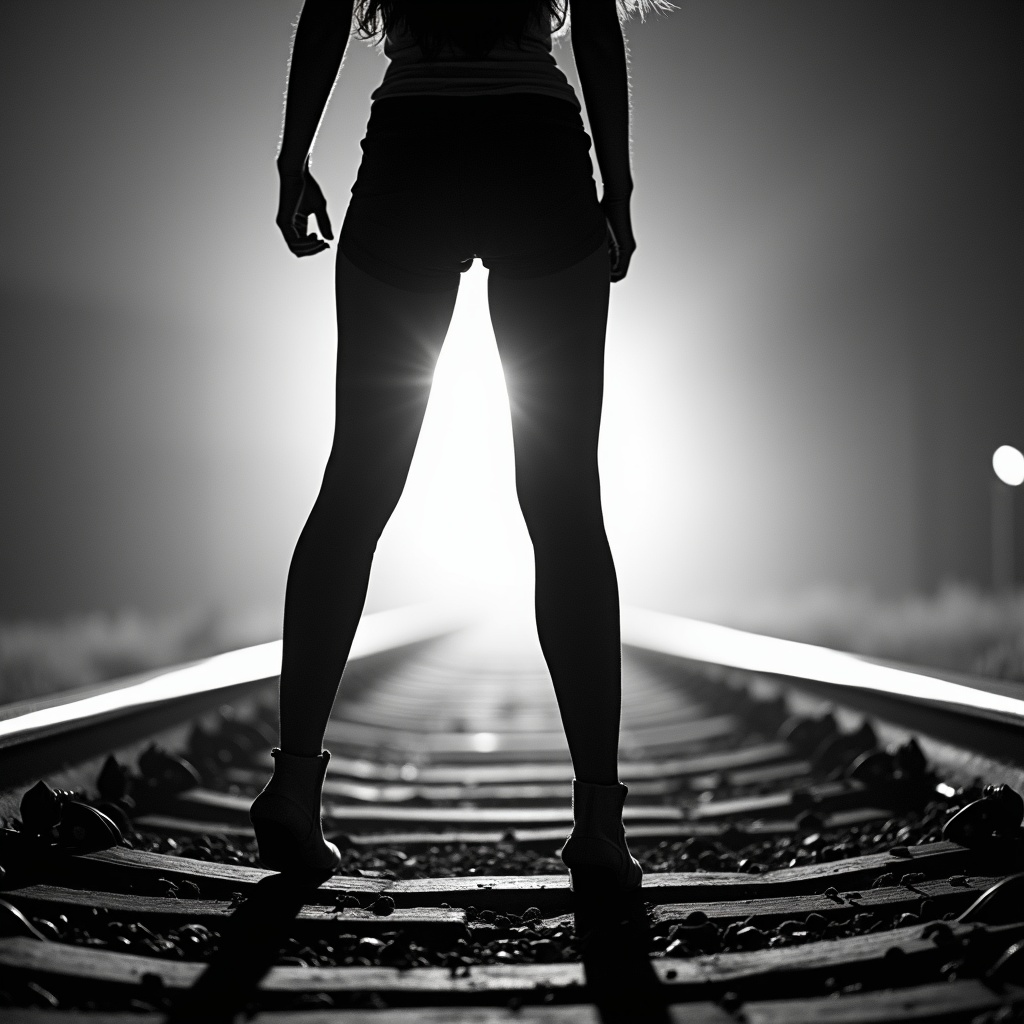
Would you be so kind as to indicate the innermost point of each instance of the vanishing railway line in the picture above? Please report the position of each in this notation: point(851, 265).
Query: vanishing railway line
point(815, 830)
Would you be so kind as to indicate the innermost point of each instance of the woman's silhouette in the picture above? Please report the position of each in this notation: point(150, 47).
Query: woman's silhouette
point(475, 148)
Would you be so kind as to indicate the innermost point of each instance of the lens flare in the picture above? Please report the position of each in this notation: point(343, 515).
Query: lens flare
point(459, 523)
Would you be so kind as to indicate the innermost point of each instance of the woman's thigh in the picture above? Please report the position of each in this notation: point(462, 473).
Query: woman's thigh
point(388, 343)
point(550, 332)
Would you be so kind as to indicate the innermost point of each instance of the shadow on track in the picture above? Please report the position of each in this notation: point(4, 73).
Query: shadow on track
point(613, 936)
point(252, 940)
point(614, 939)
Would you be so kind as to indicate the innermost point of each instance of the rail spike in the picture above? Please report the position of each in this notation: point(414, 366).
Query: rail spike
point(14, 923)
point(40, 809)
point(114, 780)
point(899, 777)
point(807, 734)
point(837, 751)
point(996, 815)
point(84, 829)
point(58, 819)
point(1009, 967)
point(163, 775)
point(999, 904)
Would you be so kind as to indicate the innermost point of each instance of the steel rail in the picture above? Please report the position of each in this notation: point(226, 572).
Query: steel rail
point(131, 708)
point(694, 640)
point(72, 727)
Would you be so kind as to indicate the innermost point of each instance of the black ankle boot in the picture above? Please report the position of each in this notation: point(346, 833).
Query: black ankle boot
point(596, 853)
point(286, 816)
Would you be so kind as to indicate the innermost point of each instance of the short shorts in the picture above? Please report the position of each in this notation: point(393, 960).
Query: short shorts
point(446, 179)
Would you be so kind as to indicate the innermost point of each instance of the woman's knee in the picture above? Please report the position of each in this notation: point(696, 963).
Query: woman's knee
point(561, 512)
point(357, 500)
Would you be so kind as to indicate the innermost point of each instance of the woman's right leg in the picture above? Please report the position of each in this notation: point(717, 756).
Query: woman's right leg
point(550, 332)
point(551, 335)
point(388, 342)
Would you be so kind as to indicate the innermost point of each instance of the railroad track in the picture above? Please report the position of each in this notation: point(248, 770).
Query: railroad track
point(812, 852)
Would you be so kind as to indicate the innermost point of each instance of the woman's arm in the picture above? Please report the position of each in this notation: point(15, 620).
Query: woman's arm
point(317, 52)
point(600, 54)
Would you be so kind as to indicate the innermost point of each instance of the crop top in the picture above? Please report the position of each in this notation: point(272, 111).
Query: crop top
point(505, 69)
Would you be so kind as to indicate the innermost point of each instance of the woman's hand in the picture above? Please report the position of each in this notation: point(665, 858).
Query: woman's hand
point(621, 244)
point(300, 197)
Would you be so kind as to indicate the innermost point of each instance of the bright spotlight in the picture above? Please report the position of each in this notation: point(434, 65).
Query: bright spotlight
point(1008, 462)
point(459, 531)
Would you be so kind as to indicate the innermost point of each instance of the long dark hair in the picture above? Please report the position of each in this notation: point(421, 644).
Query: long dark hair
point(473, 26)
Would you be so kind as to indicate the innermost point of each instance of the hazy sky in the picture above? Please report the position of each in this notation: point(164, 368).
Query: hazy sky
point(816, 349)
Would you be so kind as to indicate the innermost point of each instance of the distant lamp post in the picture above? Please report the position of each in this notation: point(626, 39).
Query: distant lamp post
point(1008, 463)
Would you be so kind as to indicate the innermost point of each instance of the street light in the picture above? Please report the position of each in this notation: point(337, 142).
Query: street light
point(1008, 464)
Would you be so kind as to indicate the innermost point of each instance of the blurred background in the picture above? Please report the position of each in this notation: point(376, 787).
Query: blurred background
point(816, 351)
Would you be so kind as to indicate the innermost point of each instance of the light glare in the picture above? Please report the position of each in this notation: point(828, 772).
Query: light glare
point(1008, 463)
point(459, 522)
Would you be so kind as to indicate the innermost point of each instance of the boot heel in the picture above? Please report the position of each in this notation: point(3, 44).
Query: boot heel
point(277, 846)
point(593, 881)
point(279, 850)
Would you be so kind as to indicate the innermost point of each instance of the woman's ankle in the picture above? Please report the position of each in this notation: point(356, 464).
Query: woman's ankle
point(599, 779)
point(297, 750)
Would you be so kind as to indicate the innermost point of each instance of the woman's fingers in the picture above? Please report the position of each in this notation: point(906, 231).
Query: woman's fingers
point(324, 222)
point(621, 244)
point(310, 247)
point(299, 240)
point(303, 244)
point(619, 254)
point(614, 249)
point(300, 196)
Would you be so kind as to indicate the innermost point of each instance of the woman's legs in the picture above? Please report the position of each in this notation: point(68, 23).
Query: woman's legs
point(388, 343)
point(551, 333)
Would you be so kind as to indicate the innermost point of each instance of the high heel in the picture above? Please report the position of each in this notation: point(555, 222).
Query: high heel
point(596, 853)
point(286, 816)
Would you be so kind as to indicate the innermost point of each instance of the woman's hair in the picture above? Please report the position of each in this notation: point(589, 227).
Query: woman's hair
point(474, 26)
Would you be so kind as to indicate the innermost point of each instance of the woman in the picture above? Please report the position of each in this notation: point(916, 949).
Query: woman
point(474, 147)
